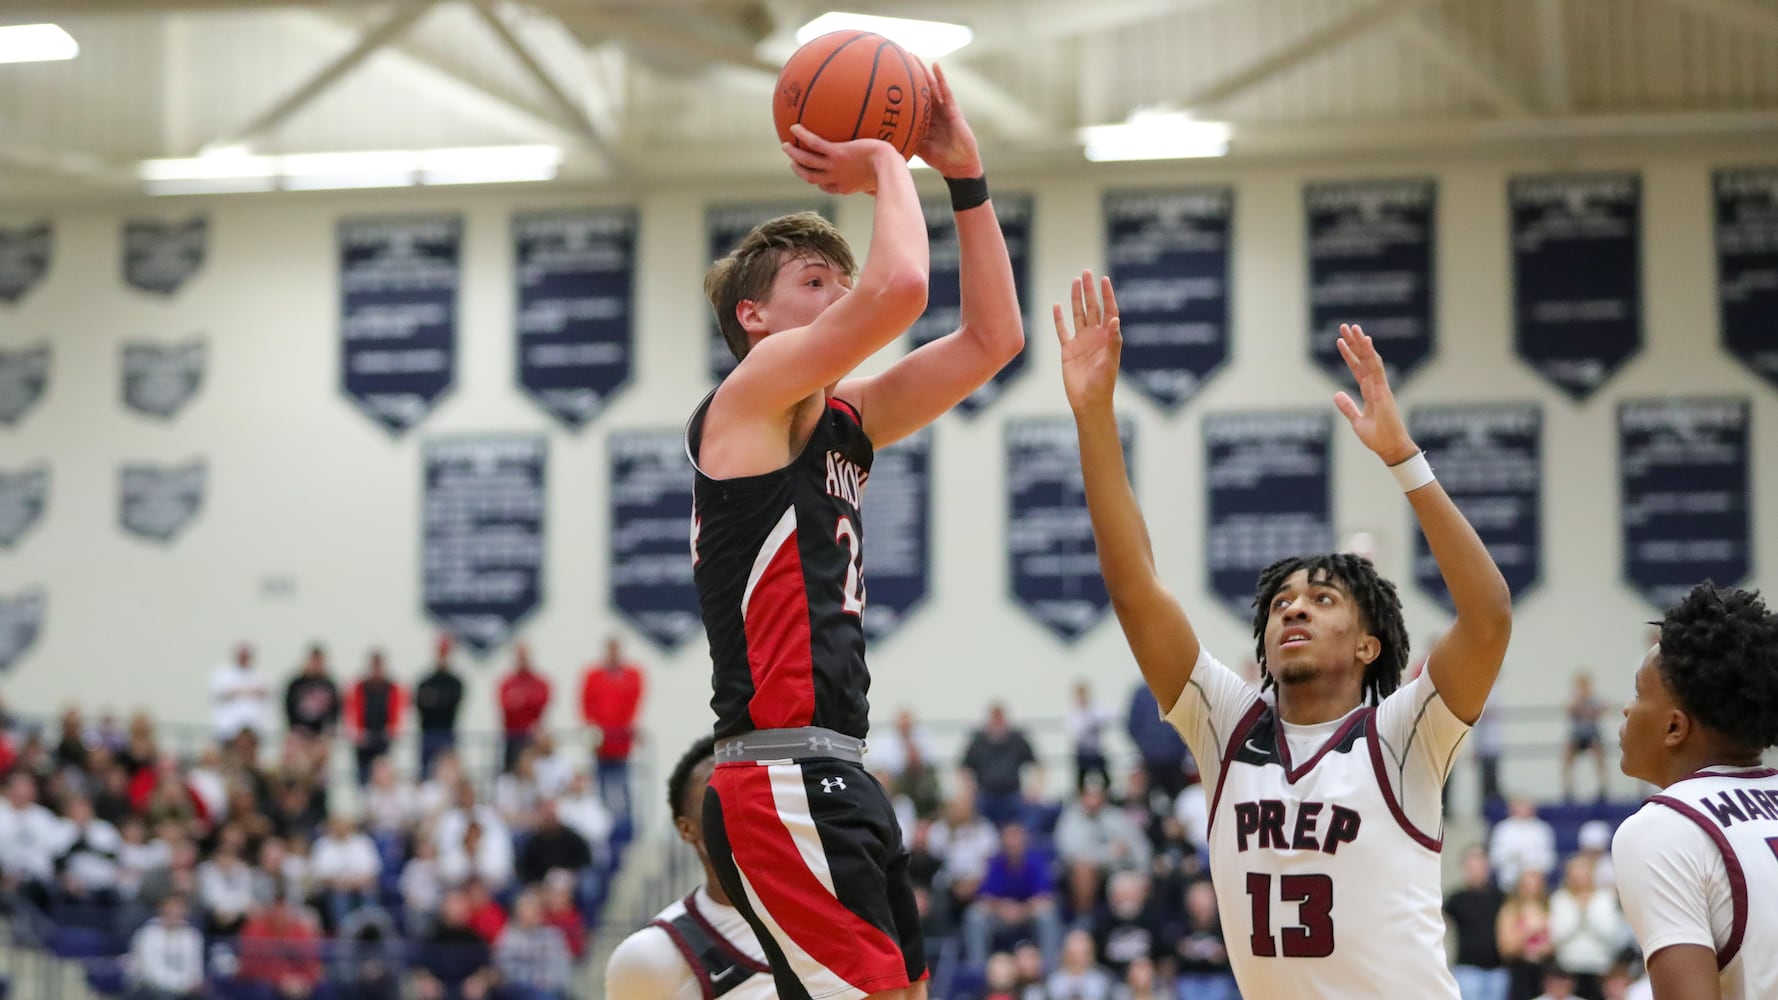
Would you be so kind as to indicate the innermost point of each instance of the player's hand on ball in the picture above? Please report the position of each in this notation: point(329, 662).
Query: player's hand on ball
point(1090, 354)
point(1379, 424)
point(949, 146)
point(839, 167)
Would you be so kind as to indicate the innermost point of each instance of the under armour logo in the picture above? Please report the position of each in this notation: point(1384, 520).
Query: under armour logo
point(820, 743)
point(829, 784)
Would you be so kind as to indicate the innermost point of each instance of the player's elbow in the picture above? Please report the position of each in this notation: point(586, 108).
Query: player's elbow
point(903, 294)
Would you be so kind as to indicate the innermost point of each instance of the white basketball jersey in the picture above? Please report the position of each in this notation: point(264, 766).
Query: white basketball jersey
point(1738, 810)
point(1326, 890)
point(696, 949)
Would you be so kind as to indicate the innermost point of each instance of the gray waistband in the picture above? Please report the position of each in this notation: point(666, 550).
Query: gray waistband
point(789, 744)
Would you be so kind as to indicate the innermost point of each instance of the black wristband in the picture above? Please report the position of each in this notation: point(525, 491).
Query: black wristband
point(967, 192)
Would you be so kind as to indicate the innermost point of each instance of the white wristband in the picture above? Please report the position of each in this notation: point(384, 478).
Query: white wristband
point(1414, 473)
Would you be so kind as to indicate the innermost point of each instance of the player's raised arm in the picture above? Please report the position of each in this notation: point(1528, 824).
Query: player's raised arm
point(1154, 624)
point(921, 387)
point(1466, 659)
point(890, 292)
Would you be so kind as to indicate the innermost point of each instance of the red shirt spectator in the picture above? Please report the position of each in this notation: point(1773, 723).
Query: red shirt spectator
point(147, 780)
point(524, 695)
point(611, 698)
point(486, 918)
point(281, 949)
point(374, 704)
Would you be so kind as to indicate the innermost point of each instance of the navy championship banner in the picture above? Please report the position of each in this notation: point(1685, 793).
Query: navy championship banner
point(1489, 458)
point(1747, 266)
point(398, 314)
point(159, 379)
point(24, 374)
point(725, 226)
point(25, 253)
point(897, 516)
point(23, 495)
point(1577, 276)
point(1683, 467)
point(1052, 560)
point(161, 256)
point(156, 502)
point(944, 297)
point(576, 274)
point(1269, 496)
point(651, 515)
point(21, 622)
point(1168, 254)
point(482, 534)
point(1371, 262)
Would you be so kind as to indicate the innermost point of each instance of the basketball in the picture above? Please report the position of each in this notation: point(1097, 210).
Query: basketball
point(854, 85)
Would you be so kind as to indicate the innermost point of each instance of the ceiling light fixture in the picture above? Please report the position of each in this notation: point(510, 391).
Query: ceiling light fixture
point(926, 39)
point(36, 43)
point(236, 171)
point(1156, 135)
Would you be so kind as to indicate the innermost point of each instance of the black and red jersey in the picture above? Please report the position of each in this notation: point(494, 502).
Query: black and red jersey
point(778, 560)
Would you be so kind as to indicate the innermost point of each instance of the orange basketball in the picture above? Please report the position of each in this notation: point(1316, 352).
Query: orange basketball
point(854, 85)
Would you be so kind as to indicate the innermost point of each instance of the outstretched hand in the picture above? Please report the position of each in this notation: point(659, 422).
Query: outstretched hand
point(1378, 424)
point(1090, 354)
point(949, 146)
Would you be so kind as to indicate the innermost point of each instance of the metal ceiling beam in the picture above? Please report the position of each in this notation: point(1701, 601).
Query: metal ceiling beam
point(638, 28)
point(565, 105)
point(1552, 64)
point(1738, 14)
point(1298, 52)
point(274, 117)
point(990, 103)
point(438, 81)
point(1455, 51)
point(13, 10)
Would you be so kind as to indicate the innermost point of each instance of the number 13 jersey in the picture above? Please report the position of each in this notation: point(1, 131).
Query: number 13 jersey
point(1325, 839)
point(778, 560)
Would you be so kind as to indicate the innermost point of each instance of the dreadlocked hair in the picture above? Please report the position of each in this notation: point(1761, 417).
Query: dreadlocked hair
point(1378, 604)
point(1719, 655)
point(701, 751)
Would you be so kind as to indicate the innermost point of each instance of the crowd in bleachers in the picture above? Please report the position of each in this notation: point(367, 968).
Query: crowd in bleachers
point(242, 871)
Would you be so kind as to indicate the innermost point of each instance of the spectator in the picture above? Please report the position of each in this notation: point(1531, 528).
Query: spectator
point(1524, 934)
point(436, 700)
point(560, 912)
point(422, 887)
point(390, 804)
point(373, 714)
point(552, 846)
point(966, 842)
point(30, 838)
point(1087, 721)
point(1490, 742)
point(1520, 843)
point(524, 697)
point(517, 793)
point(1028, 963)
point(1558, 984)
point(1201, 955)
point(531, 956)
point(439, 792)
point(1078, 978)
point(1132, 924)
point(161, 795)
point(1101, 838)
point(71, 748)
point(368, 956)
point(137, 856)
point(582, 811)
point(272, 875)
point(555, 765)
point(996, 756)
point(485, 915)
point(312, 699)
point(225, 885)
point(1594, 838)
point(482, 855)
point(87, 862)
point(1586, 928)
point(111, 795)
point(140, 750)
point(611, 699)
point(209, 783)
point(344, 864)
point(1163, 752)
point(166, 958)
point(906, 753)
point(178, 877)
point(1584, 709)
point(1139, 983)
point(454, 962)
point(280, 951)
point(1016, 900)
point(1474, 914)
point(1001, 978)
point(237, 698)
